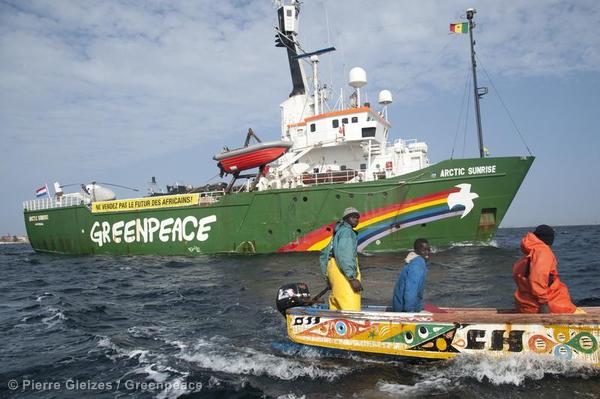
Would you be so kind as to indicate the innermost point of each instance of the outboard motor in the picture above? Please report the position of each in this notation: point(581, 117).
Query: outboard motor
point(292, 295)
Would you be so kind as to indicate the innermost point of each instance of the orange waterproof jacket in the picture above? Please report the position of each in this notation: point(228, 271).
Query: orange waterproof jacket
point(537, 279)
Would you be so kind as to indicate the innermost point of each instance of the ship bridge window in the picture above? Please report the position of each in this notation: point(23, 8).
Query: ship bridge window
point(289, 13)
point(344, 121)
point(355, 119)
point(368, 132)
point(335, 123)
point(363, 166)
point(342, 167)
point(312, 127)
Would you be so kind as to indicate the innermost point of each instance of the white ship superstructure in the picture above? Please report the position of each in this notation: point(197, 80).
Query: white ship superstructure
point(348, 143)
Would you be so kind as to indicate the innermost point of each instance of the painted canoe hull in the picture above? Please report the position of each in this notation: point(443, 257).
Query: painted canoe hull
point(444, 202)
point(491, 332)
point(252, 157)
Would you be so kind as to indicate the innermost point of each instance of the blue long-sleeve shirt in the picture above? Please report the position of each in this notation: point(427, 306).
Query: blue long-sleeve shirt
point(408, 292)
point(343, 246)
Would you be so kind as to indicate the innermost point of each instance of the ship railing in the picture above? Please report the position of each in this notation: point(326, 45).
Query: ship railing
point(341, 176)
point(210, 197)
point(402, 142)
point(50, 203)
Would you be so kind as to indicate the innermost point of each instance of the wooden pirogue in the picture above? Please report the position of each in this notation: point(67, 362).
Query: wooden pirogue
point(444, 334)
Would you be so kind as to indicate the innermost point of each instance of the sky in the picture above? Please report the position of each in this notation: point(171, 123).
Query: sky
point(119, 91)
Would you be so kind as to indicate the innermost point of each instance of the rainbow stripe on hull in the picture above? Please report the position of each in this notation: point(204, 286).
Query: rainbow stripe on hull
point(379, 223)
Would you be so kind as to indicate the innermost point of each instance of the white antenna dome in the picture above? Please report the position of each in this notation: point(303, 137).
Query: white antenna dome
point(357, 77)
point(385, 97)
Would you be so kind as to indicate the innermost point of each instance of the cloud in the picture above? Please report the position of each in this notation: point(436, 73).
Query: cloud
point(96, 72)
point(117, 81)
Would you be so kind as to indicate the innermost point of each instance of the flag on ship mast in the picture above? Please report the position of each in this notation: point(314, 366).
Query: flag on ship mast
point(460, 28)
point(40, 192)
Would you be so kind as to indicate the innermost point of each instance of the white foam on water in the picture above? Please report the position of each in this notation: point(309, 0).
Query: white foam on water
point(214, 382)
point(152, 365)
point(433, 386)
point(56, 316)
point(440, 378)
point(145, 332)
point(461, 244)
point(236, 359)
point(303, 351)
point(311, 352)
point(43, 296)
point(513, 370)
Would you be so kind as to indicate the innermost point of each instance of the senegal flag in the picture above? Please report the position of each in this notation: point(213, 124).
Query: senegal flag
point(459, 28)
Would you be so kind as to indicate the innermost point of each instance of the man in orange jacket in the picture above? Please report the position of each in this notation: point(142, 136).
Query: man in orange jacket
point(538, 285)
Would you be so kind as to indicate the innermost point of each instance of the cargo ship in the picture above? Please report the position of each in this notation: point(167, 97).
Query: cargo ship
point(295, 189)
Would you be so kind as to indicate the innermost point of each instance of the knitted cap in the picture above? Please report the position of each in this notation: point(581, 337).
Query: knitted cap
point(349, 211)
point(545, 233)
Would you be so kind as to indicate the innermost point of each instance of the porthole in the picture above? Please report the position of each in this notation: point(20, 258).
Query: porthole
point(337, 196)
point(304, 199)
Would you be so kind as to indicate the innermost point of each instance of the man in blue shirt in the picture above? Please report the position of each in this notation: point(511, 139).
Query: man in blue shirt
point(408, 292)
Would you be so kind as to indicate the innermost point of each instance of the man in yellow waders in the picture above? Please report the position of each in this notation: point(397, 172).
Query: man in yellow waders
point(339, 264)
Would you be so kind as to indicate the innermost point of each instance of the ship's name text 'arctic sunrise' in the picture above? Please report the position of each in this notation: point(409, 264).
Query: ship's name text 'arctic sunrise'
point(471, 170)
point(145, 230)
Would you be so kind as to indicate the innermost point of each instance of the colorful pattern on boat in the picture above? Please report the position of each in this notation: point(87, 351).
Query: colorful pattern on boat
point(416, 335)
point(378, 223)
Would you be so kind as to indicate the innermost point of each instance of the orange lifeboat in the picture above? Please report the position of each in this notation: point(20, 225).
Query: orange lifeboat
point(250, 157)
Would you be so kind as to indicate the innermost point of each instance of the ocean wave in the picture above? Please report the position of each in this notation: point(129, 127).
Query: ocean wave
point(56, 316)
point(151, 366)
point(510, 370)
point(515, 370)
point(432, 386)
point(44, 296)
point(313, 352)
point(461, 244)
point(234, 359)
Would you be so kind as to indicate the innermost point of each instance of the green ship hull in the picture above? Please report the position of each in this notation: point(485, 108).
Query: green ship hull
point(452, 201)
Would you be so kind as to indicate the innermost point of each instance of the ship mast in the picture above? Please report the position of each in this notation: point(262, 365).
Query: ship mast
point(470, 13)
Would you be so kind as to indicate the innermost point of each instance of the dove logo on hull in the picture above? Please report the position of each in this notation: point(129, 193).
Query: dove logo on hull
point(464, 197)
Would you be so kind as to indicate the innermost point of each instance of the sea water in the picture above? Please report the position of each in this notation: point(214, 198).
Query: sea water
point(170, 327)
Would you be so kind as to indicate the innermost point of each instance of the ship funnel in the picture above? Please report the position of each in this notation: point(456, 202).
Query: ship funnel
point(385, 97)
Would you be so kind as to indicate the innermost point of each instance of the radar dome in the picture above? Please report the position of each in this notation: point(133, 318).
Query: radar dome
point(385, 97)
point(357, 77)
